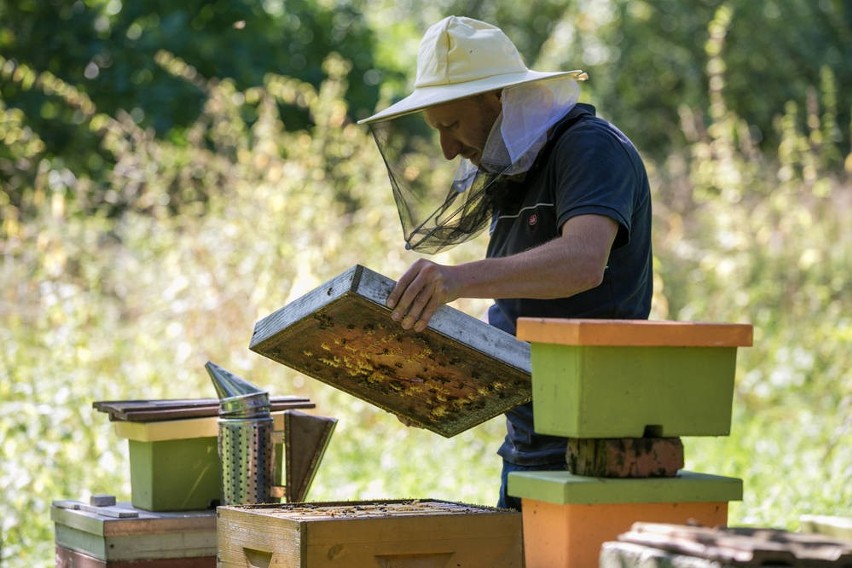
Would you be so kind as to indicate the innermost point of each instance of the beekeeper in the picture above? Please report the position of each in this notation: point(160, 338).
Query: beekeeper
point(563, 193)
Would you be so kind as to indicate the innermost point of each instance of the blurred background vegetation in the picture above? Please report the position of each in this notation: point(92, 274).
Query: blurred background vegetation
point(172, 172)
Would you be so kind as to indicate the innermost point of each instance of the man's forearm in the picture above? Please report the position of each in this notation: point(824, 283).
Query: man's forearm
point(567, 265)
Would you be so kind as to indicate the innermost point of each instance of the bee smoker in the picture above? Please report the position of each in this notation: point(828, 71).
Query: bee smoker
point(245, 439)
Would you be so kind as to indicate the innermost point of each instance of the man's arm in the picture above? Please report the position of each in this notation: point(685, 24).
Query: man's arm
point(567, 265)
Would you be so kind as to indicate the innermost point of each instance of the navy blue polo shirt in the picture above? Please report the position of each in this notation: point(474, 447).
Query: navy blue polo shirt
point(589, 167)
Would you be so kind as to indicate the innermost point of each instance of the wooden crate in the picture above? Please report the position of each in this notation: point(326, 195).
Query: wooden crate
point(632, 378)
point(567, 517)
point(370, 534)
point(122, 535)
point(456, 374)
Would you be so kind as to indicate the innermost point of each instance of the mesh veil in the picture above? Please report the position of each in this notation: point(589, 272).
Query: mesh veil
point(443, 203)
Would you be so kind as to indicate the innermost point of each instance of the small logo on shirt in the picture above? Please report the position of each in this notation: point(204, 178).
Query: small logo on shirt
point(533, 219)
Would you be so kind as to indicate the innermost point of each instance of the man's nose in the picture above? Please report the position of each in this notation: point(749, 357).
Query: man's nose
point(450, 146)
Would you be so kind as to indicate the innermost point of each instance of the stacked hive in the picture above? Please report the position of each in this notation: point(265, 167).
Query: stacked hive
point(624, 392)
point(175, 483)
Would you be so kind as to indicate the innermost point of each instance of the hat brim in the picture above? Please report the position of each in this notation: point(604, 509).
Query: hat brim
point(425, 97)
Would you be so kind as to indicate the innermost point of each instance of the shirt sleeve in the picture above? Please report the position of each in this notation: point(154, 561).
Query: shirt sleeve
point(593, 171)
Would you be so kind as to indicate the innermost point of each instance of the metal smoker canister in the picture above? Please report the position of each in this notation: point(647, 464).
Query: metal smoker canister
point(245, 440)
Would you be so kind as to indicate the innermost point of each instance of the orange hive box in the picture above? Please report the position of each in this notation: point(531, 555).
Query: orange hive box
point(567, 518)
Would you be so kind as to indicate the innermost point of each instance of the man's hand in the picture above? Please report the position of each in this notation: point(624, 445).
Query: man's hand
point(423, 288)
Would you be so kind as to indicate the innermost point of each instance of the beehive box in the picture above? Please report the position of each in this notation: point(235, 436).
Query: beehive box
point(632, 378)
point(454, 375)
point(174, 464)
point(568, 517)
point(120, 536)
point(370, 534)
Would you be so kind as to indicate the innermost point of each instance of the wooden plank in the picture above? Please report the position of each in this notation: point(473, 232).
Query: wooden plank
point(69, 558)
point(635, 333)
point(177, 409)
point(827, 525)
point(742, 546)
point(456, 374)
point(627, 555)
point(112, 511)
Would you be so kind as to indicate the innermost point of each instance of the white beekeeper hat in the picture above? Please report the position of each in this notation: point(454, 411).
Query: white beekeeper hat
point(460, 57)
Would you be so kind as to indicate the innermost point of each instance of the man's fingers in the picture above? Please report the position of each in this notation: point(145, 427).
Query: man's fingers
point(400, 287)
point(427, 314)
point(417, 295)
point(418, 308)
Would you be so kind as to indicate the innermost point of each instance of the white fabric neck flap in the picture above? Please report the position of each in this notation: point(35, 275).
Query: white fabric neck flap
point(521, 131)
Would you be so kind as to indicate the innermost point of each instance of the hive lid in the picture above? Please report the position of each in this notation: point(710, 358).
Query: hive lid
point(454, 375)
point(564, 488)
point(634, 333)
point(172, 410)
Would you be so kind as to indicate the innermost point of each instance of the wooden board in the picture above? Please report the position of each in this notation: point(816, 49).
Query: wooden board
point(70, 558)
point(743, 546)
point(180, 409)
point(456, 374)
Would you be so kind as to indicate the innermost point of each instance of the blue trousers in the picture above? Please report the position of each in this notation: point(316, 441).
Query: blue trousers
point(509, 502)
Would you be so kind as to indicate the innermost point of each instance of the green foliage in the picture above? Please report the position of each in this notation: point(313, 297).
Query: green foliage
point(107, 50)
point(651, 63)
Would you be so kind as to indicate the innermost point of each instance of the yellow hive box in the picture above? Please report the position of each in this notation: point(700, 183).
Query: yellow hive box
point(369, 534)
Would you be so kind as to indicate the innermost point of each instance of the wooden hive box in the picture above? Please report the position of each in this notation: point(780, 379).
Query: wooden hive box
point(369, 534)
point(454, 375)
point(174, 464)
point(567, 518)
point(632, 378)
point(121, 536)
point(174, 461)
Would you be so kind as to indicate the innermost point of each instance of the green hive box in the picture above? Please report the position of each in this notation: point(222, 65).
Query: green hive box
point(632, 378)
point(174, 464)
point(175, 475)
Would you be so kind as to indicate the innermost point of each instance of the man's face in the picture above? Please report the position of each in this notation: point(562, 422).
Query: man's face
point(464, 125)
